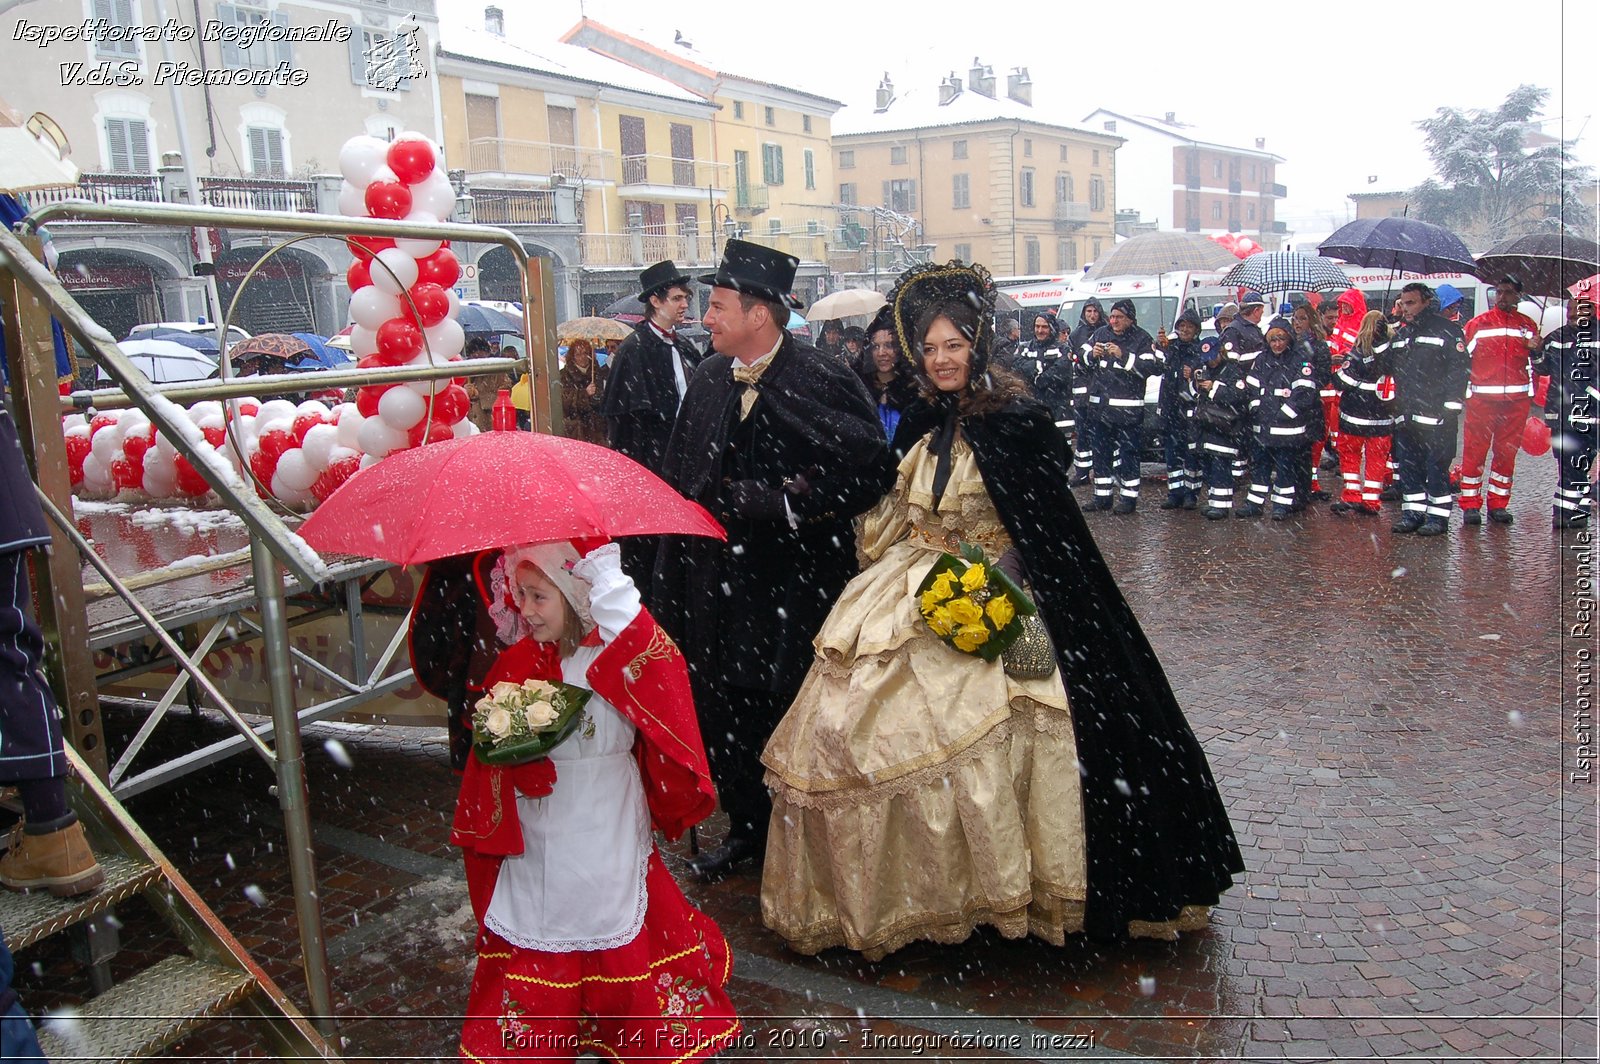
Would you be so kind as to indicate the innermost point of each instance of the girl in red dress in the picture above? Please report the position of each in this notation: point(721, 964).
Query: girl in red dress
point(585, 942)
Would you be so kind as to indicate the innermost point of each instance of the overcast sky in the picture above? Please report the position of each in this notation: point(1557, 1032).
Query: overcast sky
point(1334, 90)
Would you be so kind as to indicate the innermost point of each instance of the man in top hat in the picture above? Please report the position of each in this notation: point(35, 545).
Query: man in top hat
point(649, 374)
point(783, 444)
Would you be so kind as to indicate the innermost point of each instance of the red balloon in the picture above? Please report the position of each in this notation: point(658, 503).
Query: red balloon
point(388, 199)
point(426, 432)
point(77, 450)
point(249, 409)
point(215, 435)
point(358, 275)
point(364, 247)
point(399, 341)
point(190, 482)
point(440, 268)
point(432, 302)
point(335, 475)
point(136, 443)
point(411, 160)
point(1536, 436)
point(125, 474)
point(100, 421)
point(263, 466)
point(367, 398)
point(302, 425)
point(274, 443)
point(451, 405)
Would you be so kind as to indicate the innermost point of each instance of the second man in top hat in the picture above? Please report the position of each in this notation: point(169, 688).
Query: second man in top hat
point(649, 375)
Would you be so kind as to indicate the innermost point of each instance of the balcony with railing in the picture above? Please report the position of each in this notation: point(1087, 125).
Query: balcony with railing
point(1278, 191)
point(102, 188)
point(641, 247)
point(513, 206)
point(750, 199)
point(530, 158)
point(259, 193)
point(644, 175)
point(1070, 215)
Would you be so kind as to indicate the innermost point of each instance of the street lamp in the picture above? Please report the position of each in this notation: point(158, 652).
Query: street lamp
point(722, 219)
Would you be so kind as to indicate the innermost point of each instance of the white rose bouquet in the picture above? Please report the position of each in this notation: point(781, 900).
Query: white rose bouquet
point(519, 722)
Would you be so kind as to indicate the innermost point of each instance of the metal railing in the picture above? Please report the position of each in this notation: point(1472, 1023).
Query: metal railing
point(102, 188)
point(514, 206)
point(259, 193)
point(750, 198)
point(29, 297)
point(667, 171)
point(499, 155)
point(642, 247)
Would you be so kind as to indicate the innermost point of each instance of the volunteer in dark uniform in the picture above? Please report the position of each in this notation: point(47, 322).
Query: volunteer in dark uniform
point(1031, 358)
point(1090, 319)
point(1221, 422)
point(1285, 404)
point(1055, 385)
point(1572, 407)
point(1123, 356)
point(1184, 354)
point(1430, 375)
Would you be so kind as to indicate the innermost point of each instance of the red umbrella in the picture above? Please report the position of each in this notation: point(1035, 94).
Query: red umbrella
point(495, 489)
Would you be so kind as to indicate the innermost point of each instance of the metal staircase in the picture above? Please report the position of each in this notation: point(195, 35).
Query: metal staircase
point(140, 1016)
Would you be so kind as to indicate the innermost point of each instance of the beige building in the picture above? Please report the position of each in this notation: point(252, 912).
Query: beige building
point(770, 144)
point(270, 93)
point(600, 168)
point(965, 170)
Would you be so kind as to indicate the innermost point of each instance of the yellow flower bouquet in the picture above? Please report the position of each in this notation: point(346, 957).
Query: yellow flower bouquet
point(519, 722)
point(971, 605)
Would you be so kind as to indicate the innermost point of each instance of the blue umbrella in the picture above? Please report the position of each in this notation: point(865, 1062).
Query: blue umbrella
point(476, 319)
point(320, 355)
point(201, 342)
point(1399, 244)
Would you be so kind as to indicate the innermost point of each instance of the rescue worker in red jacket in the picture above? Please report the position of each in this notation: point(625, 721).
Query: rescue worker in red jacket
point(1341, 338)
point(1500, 341)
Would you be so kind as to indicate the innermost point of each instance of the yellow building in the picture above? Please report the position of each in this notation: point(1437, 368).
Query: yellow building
point(601, 168)
point(958, 170)
point(770, 141)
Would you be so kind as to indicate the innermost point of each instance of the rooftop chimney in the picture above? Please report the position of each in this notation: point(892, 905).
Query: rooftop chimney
point(885, 94)
point(1172, 118)
point(1261, 143)
point(949, 89)
point(494, 21)
point(680, 40)
point(981, 78)
point(1019, 86)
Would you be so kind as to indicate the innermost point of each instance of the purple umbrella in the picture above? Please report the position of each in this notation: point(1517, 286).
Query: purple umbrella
point(1399, 244)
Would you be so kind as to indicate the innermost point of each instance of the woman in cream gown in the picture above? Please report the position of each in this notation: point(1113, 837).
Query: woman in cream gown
point(919, 792)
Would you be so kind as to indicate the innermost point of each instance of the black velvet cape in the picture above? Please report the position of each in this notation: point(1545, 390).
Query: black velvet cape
point(745, 612)
point(1158, 837)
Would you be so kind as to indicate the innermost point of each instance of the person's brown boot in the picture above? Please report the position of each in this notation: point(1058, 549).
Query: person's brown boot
point(59, 861)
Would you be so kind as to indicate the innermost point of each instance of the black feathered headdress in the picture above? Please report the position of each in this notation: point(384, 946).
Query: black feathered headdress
point(922, 288)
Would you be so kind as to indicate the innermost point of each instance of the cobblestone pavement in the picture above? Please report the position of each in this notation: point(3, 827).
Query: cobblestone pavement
point(1394, 724)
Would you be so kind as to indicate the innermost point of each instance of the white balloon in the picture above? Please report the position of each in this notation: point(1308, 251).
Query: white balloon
point(379, 439)
point(349, 428)
point(318, 446)
point(132, 421)
point(206, 409)
point(285, 492)
point(369, 460)
point(371, 306)
point(96, 474)
point(160, 474)
point(445, 339)
point(426, 387)
point(279, 422)
point(417, 247)
point(401, 272)
point(464, 428)
point(313, 406)
point(274, 410)
point(80, 429)
point(436, 195)
point(352, 200)
point(106, 445)
point(296, 473)
point(360, 159)
point(363, 341)
point(74, 421)
point(164, 445)
point(210, 421)
point(401, 408)
point(339, 454)
point(455, 303)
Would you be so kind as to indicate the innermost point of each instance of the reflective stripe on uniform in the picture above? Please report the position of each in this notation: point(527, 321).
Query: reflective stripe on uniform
point(1500, 389)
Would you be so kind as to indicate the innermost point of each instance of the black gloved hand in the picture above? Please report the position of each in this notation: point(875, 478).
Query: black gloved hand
point(800, 483)
point(1012, 565)
point(753, 500)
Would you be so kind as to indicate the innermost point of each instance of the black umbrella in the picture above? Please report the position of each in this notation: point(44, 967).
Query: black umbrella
point(1399, 244)
point(1546, 264)
point(629, 305)
point(478, 319)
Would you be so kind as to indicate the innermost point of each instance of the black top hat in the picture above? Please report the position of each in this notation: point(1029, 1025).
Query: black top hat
point(663, 275)
point(756, 270)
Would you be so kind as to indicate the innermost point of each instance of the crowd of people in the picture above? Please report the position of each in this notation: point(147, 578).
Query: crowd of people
point(1257, 407)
